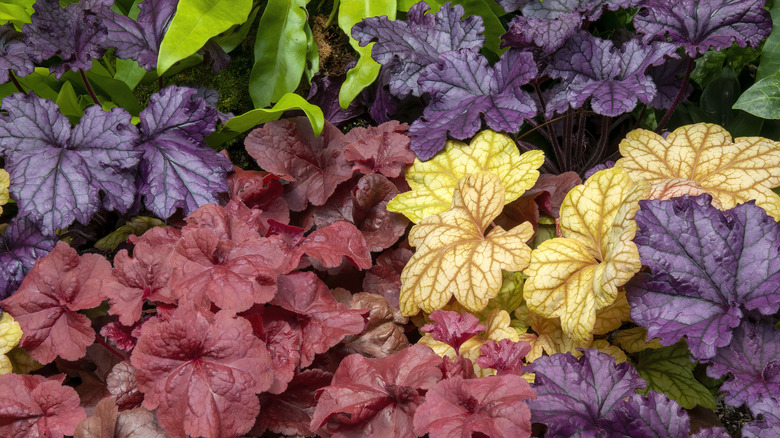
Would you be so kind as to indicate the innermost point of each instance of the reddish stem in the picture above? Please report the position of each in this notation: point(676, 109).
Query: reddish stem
point(15, 81)
point(89, 88)
point(113, 350)
point(678, 98)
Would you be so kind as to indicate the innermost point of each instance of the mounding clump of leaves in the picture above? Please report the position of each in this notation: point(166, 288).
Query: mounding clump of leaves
point(507, 218)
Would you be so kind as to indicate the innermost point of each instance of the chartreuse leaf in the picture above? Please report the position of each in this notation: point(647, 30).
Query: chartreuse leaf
point(244, 122)
point(634, 340)
point(194, 23)
point(366, 70)
point(433, 181)
point(5, 181)
point(732, 171)
point(280, 51)
point(137, 225)
point(454, 256)
point(668, 370)
point(10, 334)
point(17, 12)
point(573, 276)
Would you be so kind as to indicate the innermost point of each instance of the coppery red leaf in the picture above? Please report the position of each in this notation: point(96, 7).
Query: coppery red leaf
point(201, 372)
point(47, 303)
point(33, 406)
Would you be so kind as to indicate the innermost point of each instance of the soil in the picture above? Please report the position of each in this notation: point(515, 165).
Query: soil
point(733, 419)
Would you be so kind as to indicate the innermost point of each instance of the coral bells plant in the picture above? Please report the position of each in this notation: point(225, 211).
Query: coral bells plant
point(503, 218)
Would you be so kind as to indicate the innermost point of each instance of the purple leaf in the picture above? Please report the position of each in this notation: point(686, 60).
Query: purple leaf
point(549, 23)
point(408, 47)
point(75, 33)
point(614, 79)
point(549, 35)
point(769, 409)
point(57, 172)
point(20, 246)
point(706, 266)
point(324, 93)
point(701, 25)
point(650, 417)
point(580, 395)
point(140, 39)
point(465, 89)
point(13, 54)
point(512, 5)
point(178, 169)
point(753, 360)
point(668, 80)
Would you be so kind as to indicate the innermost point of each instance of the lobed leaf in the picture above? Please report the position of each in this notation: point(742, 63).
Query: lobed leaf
point(461, 101)
point(434, 181)
point(699, 26)
point(455, 257)
point(13, 54)
point(201, 372)
point(47, 303)
point(140, 39)
point(572, 277)
point(21, 244)
point(707, 267)
point(732, 171)
point(752, 359)
point(58, 171)
point(35, 406)
point(178, 169)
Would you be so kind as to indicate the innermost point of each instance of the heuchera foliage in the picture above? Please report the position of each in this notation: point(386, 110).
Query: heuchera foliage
point(170, 358)
point(708, 267)
point(47, 303)
point(35, 406)
point(20, 245)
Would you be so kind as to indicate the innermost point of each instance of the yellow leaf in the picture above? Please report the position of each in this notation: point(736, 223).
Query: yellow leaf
point(433, 181)
point(551, 339)
point(10, 334)
point(612, 316)
point(573, 276)
point(605, 347)
point(5, 181)
point(454, 257)
point(634, 340)
point(731, 171)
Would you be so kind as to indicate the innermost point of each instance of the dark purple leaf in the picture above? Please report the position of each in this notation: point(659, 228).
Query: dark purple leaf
point(465, 89)
point(57, 171)
point(13, 54)
point(753, 360)
point(580, 395)
point(75, 33)
point(20, 246)
point(614, 79)
point(140, 39)
point(653, 416)
point(707, 265)
point(699, 26)
point(549, 23)
point(549, 35)
point(178, 169)
point(668, 80)
point(324, 93)
point(408, 47)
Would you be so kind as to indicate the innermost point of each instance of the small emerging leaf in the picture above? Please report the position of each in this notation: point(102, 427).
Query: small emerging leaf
point(137, 225)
